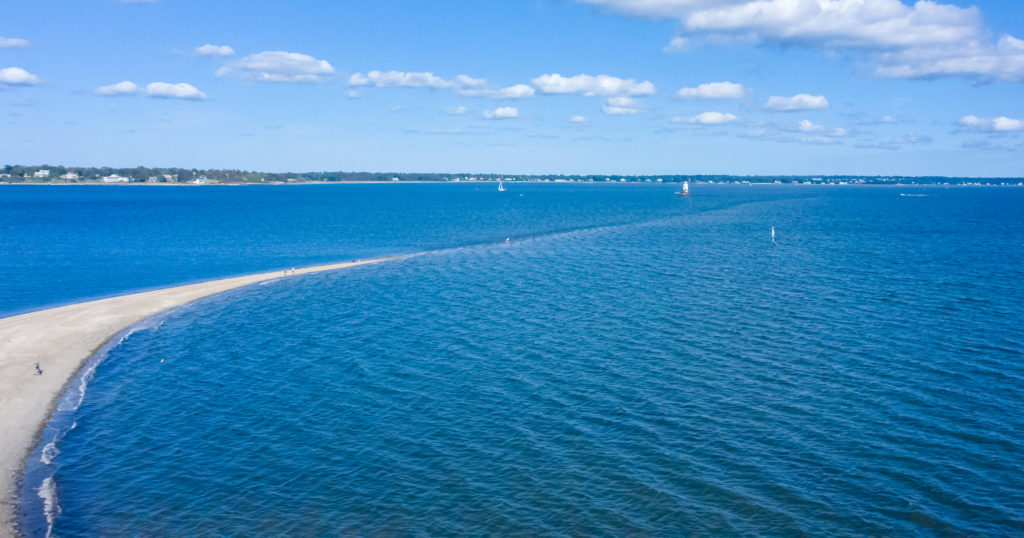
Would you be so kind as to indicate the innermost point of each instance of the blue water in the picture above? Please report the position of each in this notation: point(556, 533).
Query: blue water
point(70, 243)
point(643, 365)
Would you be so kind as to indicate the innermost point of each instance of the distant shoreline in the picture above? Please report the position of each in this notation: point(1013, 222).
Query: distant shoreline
point(60, 341)
point(977, 182)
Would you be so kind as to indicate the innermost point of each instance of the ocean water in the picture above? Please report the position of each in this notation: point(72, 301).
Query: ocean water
point(61, 244)
point(630, 363)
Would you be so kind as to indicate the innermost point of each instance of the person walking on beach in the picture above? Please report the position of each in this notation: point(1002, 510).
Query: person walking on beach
point(39, 370)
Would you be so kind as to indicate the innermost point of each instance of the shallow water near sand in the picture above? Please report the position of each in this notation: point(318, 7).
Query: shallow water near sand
point(629, 363)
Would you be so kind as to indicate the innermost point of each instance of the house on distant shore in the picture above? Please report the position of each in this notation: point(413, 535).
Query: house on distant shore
point(41, 173)
point(114, 178)
point(201, 180)
point(70, 176)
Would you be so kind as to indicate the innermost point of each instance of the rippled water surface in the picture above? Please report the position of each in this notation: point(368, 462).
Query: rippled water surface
point(662, 369)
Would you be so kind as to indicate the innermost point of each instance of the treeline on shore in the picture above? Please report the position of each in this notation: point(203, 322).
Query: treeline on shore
point(142, 174)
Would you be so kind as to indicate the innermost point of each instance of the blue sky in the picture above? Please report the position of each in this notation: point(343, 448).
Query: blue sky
point(532, 86)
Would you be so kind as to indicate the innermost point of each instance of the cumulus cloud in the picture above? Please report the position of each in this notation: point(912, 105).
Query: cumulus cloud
point(800, 101)
point(278, 66)
point(517, 91)
point(578, 119)
point(502, 113)
point(620, 106)
point(807, 126)
point(588, 85)
point(1001, 124)
point(461, 84)
point(1003, 60)
point(676, 45)
point(401, 79)
point(180, 90)
point(16, 76)
point(12, 43)
point(708, 118)
point(126, 87)
point(926, 39)
point(713, 90)
point(214, 50)
point(161, 90)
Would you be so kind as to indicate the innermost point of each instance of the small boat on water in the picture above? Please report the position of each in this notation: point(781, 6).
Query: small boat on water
point(773, 235)
point(686, 189)
point(501, 187)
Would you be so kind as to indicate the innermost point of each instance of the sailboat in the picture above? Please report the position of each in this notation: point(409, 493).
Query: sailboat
point(501, 187)
point(773, 235)
point(686, 189)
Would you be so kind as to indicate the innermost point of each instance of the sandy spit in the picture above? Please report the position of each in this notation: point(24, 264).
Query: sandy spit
point(60, 340)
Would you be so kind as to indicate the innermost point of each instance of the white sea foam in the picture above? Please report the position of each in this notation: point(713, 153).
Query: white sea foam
point(48, 493)
point(73, 399)
point(50, 451)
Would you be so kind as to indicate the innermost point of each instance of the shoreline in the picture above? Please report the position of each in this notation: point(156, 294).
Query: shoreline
point(312, 183)
point(61, 341)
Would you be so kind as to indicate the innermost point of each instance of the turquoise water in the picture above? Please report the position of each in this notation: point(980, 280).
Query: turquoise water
point(630, 363)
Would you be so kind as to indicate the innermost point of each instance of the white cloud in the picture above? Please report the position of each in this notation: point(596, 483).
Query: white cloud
point(517, 91)
point(12, 43)
point(713, 90)
point(502, 113)
point(600, 85)
point(456, 110)
point(1003, 60)
point(926, 39)
point(461, 84)
point(677, 44)
point(800, 101)
point(1001, 124)
point(708, 118)
point(806, 126)
point(278, 66)
point(162, 90)
point(214, 50)
point(401, 79)
point(578, 119)
point(620, 106)
point(180, 90)
point(16, 76)
point(126, 87)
